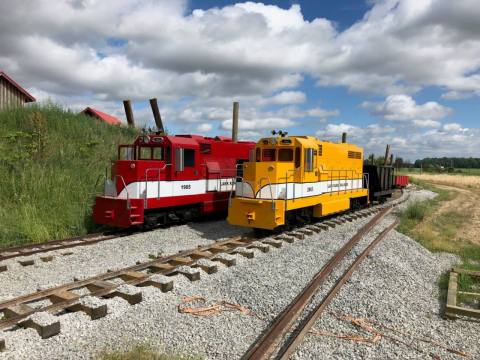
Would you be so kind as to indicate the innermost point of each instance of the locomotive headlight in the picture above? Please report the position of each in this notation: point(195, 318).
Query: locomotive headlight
point(271, 168)
point(132, 166)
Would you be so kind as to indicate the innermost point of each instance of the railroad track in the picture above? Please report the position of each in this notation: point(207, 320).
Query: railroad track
point(269, 344)
point(41, 310)
point(31, 249)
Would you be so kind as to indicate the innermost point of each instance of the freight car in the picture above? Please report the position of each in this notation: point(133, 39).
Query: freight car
point(298, 178)
point(163, 179)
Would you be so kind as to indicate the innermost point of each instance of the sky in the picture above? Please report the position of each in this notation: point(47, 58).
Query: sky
point(399, 72)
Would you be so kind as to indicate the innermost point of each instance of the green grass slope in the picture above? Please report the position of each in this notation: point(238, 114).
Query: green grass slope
point(50, 160)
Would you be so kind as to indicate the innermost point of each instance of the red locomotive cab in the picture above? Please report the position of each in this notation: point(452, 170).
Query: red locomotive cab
point(161, 179)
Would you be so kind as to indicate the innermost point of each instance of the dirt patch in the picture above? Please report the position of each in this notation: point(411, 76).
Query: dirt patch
point(466, 204)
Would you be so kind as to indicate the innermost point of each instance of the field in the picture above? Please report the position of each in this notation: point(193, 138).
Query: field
point(460, 171)
point(451, 221)
point(50, 160)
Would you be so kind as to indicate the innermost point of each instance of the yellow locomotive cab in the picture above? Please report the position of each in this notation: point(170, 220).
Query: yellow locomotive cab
point(297, 177)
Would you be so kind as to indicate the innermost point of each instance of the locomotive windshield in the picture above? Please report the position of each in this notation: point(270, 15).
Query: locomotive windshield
point(131, 152)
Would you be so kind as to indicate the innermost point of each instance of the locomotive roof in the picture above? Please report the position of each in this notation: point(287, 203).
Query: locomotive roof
point(189, 140)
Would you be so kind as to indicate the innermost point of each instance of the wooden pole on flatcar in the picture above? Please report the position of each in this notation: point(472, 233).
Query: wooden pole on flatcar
point(387, 155)
point(129, 113)
point(236, 107)
point(156, 115)
point(391, 159)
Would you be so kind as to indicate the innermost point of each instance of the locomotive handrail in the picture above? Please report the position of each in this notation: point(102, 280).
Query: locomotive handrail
point(126, 190)
point(146, 182)
point(270, 186)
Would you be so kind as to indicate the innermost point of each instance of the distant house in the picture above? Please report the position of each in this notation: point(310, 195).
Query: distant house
point(112, 120)
point(12, 94)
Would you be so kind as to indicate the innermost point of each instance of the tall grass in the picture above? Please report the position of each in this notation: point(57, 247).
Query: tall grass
point(50, 159)
point(144, 352)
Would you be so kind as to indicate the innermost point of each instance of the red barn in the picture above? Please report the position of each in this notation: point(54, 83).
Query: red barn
point(109, 119)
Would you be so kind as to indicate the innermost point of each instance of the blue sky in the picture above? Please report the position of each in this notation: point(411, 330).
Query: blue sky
point(403, 72)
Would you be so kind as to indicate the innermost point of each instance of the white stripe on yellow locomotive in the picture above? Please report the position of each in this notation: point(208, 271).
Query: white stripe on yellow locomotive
point(297, 174)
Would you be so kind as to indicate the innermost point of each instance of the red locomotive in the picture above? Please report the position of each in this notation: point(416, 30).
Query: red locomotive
point(161, 179)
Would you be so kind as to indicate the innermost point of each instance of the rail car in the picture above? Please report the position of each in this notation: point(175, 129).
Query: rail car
point(163, 179)
point(298, 178)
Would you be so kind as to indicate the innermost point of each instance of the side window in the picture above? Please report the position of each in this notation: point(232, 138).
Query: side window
point(258, 154)
point(189, 157)
point(297, 157)
point(126, 153)
point(285, 155)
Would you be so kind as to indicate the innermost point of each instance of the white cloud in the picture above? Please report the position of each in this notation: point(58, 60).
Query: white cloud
point(205, 127)
point(427, 123)
point(286, 97)
point(453, 127)
point(403, 107)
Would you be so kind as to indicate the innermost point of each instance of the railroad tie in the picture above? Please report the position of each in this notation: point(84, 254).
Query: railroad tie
point(226, 259)
point(207, 265)
point(274, 242)
point(190, 273)
point(313, 228)
point(330, 223)
point(162, 282)
point(322, 226)
point(297, 235)
point(3, 268)
point(305, 231)
point(2, 345)
point(129, 293)
point(46, 258)
point(260, 246)
point(161, 267)
point(46, 324)
point(28, 262)
point(92, 306)
point(248, 253)
point(286, 238)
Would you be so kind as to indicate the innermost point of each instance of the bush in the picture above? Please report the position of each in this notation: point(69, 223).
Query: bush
point(416, 210)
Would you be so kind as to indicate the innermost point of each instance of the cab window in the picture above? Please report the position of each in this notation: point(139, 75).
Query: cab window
point(268, 155)
point(285, 155)
point(144, 153)
point(158, 153)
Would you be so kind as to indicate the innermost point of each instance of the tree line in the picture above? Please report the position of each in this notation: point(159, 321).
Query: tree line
point(429, 163)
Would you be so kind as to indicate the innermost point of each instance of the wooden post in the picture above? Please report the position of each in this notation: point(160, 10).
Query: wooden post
point(129, 113)
point(387, 155)
point(236, 106)
point(344, 137)
point(156, 114)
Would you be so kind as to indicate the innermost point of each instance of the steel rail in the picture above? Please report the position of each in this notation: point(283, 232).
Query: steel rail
point(297, 336)
point(264, 347)
point(30, 249)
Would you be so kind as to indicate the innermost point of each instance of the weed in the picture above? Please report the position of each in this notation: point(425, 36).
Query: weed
point(142, 352)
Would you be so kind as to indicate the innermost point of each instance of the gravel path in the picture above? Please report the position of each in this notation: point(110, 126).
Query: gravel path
point(404, 296)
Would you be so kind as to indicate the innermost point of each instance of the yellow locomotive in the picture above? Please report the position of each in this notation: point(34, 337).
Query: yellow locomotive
point(294, 178)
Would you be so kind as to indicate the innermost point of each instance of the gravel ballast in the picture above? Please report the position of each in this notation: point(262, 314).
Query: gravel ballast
point(396, 286)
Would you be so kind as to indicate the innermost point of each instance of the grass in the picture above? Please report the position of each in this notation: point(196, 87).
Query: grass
point(50, 160)
point(458, 171)
point(142, 352)
point(437, 232)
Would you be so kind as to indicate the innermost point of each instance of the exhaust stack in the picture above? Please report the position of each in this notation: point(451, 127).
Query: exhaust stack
point(344, 137)
point(156, 115)
point(236, 107)
point(129, 113)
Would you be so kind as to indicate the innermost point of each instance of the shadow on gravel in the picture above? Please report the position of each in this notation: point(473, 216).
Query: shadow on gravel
point(215, 227)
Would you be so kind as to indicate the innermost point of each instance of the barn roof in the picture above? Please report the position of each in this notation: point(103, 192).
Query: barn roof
point(112, 120)
point(28, 97)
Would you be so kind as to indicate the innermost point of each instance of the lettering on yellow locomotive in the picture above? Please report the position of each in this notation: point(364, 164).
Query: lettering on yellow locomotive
point(294, 177)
